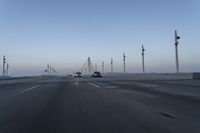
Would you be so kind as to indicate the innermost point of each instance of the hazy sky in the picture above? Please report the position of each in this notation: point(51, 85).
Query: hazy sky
point(64, 33)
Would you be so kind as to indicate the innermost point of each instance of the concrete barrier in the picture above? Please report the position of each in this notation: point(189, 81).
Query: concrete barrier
point(196, 76)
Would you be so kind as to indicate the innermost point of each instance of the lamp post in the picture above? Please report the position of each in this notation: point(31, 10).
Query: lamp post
point(143, 68)
point(176, 51)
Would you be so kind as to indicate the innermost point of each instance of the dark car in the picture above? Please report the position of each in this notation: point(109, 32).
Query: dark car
point(96, 74)
point(78, 75)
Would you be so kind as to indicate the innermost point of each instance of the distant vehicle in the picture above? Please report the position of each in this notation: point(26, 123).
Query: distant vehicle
point(96, 74)
point(69, 76)
point(78, 75)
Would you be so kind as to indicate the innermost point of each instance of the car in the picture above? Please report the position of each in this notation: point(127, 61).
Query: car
point(96, 74)
point(78, 75)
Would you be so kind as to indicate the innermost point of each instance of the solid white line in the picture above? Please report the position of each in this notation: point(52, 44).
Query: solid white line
point(94, 85)
point(30, 88)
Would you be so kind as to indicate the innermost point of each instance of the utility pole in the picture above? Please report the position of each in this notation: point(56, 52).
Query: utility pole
point(176, 51)
point(143, 59)
point(4, 62)
point(124, 60)
point(111, 65)
point(102, 67)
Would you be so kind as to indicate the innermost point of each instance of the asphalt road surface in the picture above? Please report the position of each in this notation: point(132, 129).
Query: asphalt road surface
point(60, 105)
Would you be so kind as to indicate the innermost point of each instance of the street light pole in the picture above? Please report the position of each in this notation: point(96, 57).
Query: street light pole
point(143, 68)
point(7, 67)
point(4, 62)
point(124, 60)
point(111, 65)
point(176, 51)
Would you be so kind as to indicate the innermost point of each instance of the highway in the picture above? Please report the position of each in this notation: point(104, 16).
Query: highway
point(86, 105)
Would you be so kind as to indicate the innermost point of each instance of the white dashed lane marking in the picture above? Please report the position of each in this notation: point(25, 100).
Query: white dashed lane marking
point(30, 88)
point(94, 85)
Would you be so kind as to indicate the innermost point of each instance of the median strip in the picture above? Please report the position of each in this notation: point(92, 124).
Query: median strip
point(30, 88)
point(94, 85)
